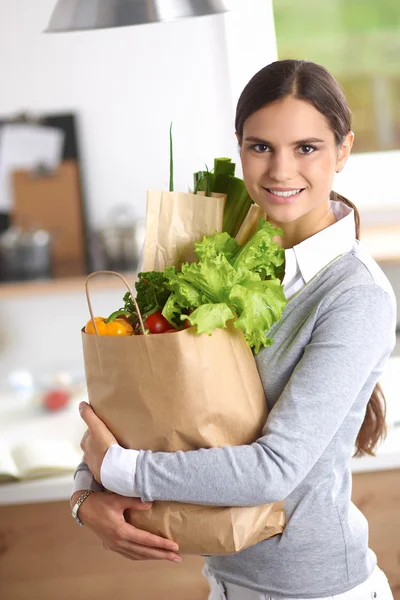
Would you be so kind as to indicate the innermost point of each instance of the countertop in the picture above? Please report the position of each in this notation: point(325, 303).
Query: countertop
point(19, 423)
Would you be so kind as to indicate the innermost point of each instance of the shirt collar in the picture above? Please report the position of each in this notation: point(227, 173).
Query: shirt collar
point(319, 250)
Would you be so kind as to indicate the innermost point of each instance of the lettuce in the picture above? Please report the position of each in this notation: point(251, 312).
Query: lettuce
point(261, 253)
point(210, 316)
point(229, 282)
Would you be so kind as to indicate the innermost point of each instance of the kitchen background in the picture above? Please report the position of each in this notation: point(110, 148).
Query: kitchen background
point(115, 92)
point(106, 99)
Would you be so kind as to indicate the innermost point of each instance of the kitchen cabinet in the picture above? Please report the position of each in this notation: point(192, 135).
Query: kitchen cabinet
point(377, 495)
point(45, 556)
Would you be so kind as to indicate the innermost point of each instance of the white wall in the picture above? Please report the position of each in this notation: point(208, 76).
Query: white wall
point(368, 180)
point(128, 84)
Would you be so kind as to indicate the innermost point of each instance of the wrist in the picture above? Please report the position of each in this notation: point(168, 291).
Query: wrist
point(74, 497)
point(80, 500)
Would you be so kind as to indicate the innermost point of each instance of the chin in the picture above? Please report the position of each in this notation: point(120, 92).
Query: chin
point(281, 214)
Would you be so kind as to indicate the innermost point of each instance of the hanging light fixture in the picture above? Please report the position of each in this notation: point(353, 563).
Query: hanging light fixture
point(75, 15)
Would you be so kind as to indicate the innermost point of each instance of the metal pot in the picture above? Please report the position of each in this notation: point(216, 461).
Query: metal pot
point(120, 243)
point(25, 255)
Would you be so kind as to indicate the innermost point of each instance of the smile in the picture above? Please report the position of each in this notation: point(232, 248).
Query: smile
point(283, 196)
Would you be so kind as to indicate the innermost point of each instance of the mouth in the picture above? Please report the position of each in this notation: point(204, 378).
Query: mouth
point(284, 195)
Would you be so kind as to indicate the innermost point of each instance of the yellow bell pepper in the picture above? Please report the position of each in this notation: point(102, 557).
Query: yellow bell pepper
point(114, 327)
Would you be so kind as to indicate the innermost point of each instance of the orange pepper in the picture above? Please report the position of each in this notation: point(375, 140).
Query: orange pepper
point(116, 327)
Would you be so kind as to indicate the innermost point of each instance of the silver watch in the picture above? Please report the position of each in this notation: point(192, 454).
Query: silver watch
point(77, 505)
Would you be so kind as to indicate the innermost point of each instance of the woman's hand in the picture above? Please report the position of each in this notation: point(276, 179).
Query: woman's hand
point(103, 513)
point(95, 441)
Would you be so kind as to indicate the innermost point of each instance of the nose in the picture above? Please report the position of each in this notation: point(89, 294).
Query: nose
point(281, 166)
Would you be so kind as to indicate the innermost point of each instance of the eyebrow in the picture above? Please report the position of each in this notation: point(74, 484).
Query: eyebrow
point(310, 140)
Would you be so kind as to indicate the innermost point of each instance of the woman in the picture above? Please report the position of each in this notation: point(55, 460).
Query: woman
point(320, 375)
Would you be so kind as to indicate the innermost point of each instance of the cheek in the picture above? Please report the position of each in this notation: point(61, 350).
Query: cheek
point(251, 169)
point(319, 172)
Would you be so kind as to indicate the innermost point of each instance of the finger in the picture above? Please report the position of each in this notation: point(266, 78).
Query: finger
point(144, 538)
point(84, 439)
point(88, 415)
point(150, 553)
point(134, 503)
point(131, 555)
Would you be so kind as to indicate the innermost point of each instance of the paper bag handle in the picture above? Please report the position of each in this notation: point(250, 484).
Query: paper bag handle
point(94, 274)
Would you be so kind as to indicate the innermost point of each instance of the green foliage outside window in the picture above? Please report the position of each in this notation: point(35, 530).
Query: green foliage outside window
point(359, 42)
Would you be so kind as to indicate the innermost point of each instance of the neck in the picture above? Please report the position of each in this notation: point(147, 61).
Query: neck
point(306, 226)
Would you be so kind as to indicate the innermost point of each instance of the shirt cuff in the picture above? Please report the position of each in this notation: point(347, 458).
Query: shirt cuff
point(118, 470)
point(84, 480)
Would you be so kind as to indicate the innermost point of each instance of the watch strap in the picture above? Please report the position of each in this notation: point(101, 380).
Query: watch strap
point(78, 504)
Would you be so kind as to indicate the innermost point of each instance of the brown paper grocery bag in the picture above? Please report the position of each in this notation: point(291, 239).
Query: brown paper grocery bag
point(174, 221)
point(184, 391)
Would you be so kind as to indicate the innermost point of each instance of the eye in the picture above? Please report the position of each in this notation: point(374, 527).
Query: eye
point(260, 148)
point(307, 149)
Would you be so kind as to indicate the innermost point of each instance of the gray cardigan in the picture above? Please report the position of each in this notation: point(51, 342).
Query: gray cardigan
point(329, 350)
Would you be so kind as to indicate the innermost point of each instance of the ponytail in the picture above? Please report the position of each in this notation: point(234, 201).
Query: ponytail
point(373, 429)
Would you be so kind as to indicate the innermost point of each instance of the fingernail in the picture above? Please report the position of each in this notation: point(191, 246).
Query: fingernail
point(175, 548)
point(81, 405)
point(177, 560)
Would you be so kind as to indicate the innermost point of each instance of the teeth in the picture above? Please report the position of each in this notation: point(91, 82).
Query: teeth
point(284, 194)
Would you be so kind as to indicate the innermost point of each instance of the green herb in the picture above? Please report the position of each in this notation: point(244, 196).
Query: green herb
point(152, 294)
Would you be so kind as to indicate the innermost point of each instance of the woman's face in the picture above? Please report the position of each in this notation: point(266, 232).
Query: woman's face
point(289, 158)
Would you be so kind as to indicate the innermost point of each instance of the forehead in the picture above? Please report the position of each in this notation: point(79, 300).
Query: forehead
point(288, 120)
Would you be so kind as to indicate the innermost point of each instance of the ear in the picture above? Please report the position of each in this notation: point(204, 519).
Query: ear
point(344, 151)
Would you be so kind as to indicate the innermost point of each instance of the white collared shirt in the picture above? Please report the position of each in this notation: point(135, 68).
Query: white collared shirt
point(302, 263)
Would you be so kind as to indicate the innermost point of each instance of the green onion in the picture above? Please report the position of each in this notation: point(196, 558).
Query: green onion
point(237, 206)
point(223, 181)
point(203, 181)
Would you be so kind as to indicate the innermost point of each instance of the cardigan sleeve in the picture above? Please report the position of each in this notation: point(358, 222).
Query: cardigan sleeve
point(351, 341)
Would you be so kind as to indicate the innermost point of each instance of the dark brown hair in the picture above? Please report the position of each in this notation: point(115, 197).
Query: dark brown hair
point(308, 81)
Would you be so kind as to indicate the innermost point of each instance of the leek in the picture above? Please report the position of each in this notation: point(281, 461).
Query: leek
point(223, 181)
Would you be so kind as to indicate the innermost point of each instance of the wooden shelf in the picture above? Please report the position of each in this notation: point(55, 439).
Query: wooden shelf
point(63, 285)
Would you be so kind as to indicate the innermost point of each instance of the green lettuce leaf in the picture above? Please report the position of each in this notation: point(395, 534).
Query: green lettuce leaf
point(219, 243)
point(184, 296)
point(210, 316)
point(183, 291)
point(261, 253)
point(259, 304)
point(214, 277)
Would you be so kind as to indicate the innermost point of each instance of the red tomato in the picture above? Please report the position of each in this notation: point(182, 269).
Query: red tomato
point(171, 330)
point(157, 323)
point(56, 399)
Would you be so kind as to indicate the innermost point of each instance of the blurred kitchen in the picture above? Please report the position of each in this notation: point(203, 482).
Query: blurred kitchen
point(84, 132)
